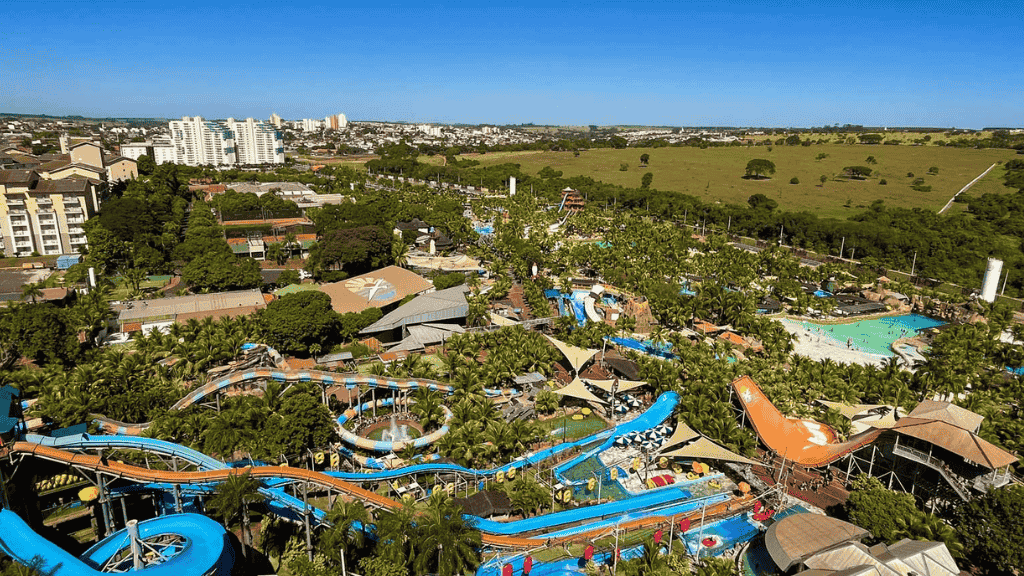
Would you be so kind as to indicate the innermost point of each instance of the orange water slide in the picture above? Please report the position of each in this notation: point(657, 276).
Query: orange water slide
point(805, 442)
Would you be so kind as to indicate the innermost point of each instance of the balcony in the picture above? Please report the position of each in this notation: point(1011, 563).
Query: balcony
point(76, 220)
point(15, 203)
point(76, 230)
point(22, 244)
point(78, 239)
point(72, 209)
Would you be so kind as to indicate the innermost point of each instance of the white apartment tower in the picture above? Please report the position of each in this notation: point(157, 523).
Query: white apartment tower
point(275, 120)
point(256, 142)
point(336, 122)
point(198, 142)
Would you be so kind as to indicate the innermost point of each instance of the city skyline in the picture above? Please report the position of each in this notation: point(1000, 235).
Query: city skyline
point(657, 64)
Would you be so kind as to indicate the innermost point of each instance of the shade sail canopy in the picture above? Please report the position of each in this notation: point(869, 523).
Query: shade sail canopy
point(501, 320)
point(607, 385)
point(576, 356)
point(708, 450)
point(683, 433)
point(577, 389)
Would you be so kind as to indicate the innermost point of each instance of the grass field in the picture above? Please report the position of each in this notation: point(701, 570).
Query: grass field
point(717, 173)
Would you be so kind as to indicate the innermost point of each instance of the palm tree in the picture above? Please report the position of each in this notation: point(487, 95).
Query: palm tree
point(231, 500)
point(447, 543)
point(393, 529)
point(31, 290)
point(348, 519)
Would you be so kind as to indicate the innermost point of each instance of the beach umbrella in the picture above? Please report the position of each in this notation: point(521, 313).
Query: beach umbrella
point(527, 564)
point(506, 570)
point(657, 536)
point(684, 524)
point(588, 552)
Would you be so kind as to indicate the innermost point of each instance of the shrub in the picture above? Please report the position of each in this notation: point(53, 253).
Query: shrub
point(933, 170)
point(882, 182)
point(910, 174)
point(794, 180)
point(623, 167)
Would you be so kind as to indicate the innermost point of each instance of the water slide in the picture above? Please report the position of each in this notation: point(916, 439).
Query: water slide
point(205, 548)
point(258, 374)
point(805, 442)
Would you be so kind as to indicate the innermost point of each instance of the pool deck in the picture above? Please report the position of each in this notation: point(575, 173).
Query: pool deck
point(818, 347)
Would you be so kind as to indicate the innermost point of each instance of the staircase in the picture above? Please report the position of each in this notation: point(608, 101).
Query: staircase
point(935, 464)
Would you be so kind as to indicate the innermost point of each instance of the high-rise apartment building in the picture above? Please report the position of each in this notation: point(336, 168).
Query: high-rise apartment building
point(276, 120)
point(197, 142)
point(256, 142)
point(336, 122)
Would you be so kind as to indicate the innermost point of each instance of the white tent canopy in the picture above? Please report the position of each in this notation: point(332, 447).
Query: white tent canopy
point(577, 389)
point(576, 356)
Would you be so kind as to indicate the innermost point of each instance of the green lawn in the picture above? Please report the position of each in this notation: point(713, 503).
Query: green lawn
point(717, 173)
point(574, 429)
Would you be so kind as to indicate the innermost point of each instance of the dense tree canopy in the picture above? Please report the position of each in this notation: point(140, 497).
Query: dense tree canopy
point(294, 322)
point(760, 168)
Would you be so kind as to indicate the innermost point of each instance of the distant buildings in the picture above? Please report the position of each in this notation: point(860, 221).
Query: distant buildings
point(45, 202)
point(197, 142)
point(336, 122)
point(276, 120)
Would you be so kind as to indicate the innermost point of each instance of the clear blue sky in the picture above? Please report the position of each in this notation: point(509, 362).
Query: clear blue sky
point(681, 63)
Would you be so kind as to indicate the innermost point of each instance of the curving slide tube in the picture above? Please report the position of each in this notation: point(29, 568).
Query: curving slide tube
point(205, 548)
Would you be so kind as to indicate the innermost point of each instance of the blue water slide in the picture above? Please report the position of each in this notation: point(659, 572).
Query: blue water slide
point(206, 548)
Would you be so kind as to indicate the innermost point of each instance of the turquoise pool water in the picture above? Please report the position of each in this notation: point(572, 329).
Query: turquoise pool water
point(756, 560)
point(874, 335)
point(728, 532)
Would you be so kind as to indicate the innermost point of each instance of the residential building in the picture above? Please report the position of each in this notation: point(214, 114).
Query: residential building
point(311, 125)
point(336, 122)
point(43, 215)
point(256, 142)
point(275, 120)
point(162, 151)
point(201, 142)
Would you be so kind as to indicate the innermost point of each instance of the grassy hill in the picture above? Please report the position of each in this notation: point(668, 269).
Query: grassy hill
point(717, 173)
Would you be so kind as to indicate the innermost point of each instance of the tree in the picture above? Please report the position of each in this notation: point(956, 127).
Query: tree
point(870, 160)
point(759, 167)
point(295, 321)
point(355, 250)
point(277, 253)
point(645, 182)
point(823, 178)
point(794, 180)
point(32, 290)
point(874, 508)
point(870, 138)
point(447, 543)
point(623, 167)
point(220, 272)
point(857, 172)
point(991, 531)
point(821, 156)
point(231, 501)
point(146, 165)
point(289, 277)
point(644, 158)
point(761, 202)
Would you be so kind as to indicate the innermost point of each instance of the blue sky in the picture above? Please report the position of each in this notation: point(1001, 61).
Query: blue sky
point(683, 63)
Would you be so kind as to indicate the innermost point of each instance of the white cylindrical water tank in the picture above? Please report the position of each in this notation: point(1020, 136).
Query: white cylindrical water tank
point(991, 282)
point(512, 186)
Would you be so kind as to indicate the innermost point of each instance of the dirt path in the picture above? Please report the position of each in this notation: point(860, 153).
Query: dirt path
point(962, 190)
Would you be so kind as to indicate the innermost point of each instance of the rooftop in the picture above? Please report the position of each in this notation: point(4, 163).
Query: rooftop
point(374, 289)
point(192, 306)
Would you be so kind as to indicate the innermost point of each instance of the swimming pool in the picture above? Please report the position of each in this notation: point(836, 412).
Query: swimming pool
point(874, 335)
point(726, 533)
point(756, 560)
